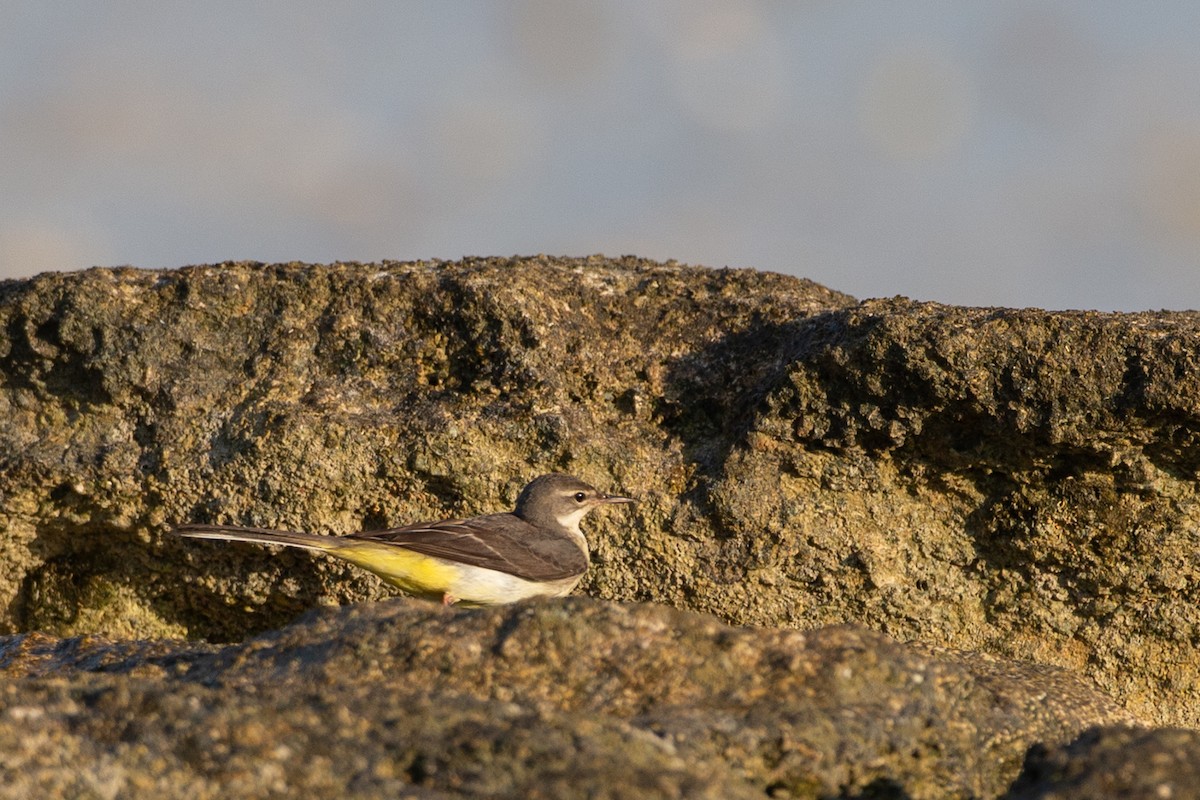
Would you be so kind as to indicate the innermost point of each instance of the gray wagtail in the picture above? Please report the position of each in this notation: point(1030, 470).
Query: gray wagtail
point(537, 550)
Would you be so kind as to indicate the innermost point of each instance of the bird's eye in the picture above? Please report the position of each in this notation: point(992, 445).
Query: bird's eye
point(580, 497)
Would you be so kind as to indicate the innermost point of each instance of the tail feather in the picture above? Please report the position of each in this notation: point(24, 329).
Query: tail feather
point(234, 533)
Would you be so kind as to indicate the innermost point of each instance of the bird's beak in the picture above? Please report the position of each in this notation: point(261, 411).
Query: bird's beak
point(612, 498)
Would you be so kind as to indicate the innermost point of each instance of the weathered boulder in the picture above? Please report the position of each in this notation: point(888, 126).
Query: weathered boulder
point(1003, 483)
point(1116, 761)
point(342, 397)
point(569, 698)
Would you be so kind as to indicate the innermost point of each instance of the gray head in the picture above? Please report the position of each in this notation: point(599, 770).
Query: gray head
point(558, 499)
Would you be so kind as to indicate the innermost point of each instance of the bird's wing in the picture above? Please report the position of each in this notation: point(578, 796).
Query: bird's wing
point(503, 542)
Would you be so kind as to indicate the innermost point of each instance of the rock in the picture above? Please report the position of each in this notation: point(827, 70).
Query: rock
point(1117, 761)
point(994, 486)
point(566, 698)
point(351, 396)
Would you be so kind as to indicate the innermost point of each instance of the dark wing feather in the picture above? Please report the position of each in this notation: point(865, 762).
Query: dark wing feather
point(503, 542)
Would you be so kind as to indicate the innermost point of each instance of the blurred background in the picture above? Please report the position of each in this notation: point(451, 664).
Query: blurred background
point(1042, 153)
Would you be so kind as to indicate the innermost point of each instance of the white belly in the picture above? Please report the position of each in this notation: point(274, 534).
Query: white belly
point(479, 586)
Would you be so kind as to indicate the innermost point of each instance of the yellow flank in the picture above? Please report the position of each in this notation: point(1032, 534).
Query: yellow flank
point(408, 571)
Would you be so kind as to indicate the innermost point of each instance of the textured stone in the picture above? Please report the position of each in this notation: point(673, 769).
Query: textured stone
point(986, 482)
point(1115, 762)
point(568, 698)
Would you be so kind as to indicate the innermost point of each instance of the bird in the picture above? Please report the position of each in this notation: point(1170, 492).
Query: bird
point(536, 550)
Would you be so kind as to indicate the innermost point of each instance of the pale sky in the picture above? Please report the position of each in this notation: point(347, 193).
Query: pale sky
point(1010, 153)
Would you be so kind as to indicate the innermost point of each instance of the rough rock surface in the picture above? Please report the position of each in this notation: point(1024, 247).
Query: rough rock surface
point(1115, 761)
point(554, 699)
point(1018, 483)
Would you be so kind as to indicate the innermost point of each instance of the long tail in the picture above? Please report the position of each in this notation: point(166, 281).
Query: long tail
point(234, 533)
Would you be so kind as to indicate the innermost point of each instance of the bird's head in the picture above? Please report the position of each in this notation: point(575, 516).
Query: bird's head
point(561, 499)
